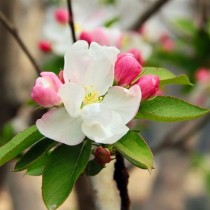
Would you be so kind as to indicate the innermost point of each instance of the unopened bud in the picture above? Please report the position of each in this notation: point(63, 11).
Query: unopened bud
point(102, 155)
point(45, 46)
point(137, 54)
point(45, 90)
point(127, 68)
point(62, 15)
point(149, 85)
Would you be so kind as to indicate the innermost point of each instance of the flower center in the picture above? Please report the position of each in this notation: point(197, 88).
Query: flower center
point(91, 96)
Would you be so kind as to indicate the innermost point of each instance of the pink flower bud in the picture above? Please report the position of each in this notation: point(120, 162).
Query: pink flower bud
point(137, 54)
point(127, 68)
point(167, 42)
point(102, 155)
point(86, 36)
point(202, 75)
point(45, 46)
point(45, 90)
point(62, 15)
point(149, 85)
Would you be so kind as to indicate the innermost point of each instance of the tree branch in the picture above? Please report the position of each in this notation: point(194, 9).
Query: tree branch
point(71, 20)
point(148, 13)
point(121, 177)
point(171, 140)
point(13, 31)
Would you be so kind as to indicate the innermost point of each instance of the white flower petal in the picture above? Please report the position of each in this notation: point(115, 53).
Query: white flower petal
point(101, 72)
point(96, 113)
point(58, 125)
point(123, 101)
point(93, 66)
point(72, 96)
point(104, 135)
point(76, 62)
point(101, 124)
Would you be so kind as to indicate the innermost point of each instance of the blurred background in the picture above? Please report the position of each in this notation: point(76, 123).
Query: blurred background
point(174, 34)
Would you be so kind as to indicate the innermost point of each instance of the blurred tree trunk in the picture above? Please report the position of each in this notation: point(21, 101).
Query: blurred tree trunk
point(17, 75)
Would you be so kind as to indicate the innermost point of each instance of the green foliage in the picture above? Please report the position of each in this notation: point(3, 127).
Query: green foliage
point(110, 22)
point(6, 134)
point(93, 168)
point(65, 165)
point(169, 109)
point(55, 64)
point(133, 147)
point(36, 152)
point(36, 167)
point(167, 77)
point(185, 26)
point(19, 143)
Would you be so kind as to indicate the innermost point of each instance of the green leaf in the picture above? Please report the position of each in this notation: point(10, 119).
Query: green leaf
point(169, 109)
point(19, 143)
point(65, 165)
point(34, 153)
point(133, 147)
point(37, 167)
point(186, 26)
point(93, 168)
point(167, 77)
point(54, 64)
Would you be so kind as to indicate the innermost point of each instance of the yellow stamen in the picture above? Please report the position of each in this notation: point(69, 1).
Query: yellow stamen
point(91, 96)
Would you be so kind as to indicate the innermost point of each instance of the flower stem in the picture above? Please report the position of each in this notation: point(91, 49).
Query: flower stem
point(71, 20)
point(121, 177)
point(13, 31)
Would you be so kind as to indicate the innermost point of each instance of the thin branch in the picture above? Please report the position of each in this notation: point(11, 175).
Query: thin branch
point(121, 177)
point(172, 141)
point(71, 20)
point(148, 14)
point(13, 31)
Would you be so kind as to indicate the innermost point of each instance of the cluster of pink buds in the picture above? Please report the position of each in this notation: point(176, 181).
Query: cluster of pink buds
point(46, 88)
point(128, 68)
point(102, 155)
point(103, 36)
point(61, 16)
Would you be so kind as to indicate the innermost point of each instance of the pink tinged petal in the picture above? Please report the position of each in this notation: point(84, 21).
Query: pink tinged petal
point(101, 124)
point(125, 102)
point(45, 90)
point(93, 66)
point(72, 96)
point(149, 85)
point(59, 126)
point(127, 68)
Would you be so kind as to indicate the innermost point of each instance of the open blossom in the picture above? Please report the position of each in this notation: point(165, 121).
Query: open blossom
point(45, 90)
point(149, 85)
point(92, 107)
point(127, 68)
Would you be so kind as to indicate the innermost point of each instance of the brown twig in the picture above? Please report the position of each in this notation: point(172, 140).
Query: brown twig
point(172, 141)
point(71, 20)
point(148, 13)
point(13, 31)
point(121, 177)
